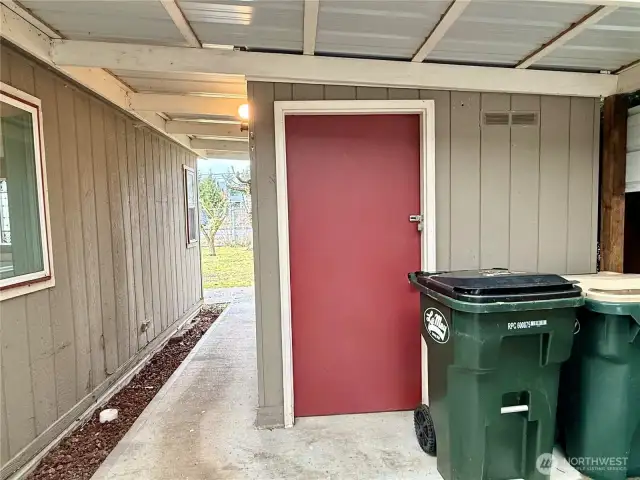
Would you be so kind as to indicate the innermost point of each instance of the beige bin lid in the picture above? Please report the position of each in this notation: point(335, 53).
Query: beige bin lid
point(609, 286)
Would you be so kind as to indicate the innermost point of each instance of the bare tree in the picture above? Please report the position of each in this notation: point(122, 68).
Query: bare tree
point(214, 203)
point(240, 181)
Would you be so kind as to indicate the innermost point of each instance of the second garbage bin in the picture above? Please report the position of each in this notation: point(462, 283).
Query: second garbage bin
point(495, 342)
point(599, 408)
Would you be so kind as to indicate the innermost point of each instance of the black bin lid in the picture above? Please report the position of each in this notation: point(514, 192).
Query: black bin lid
point(499, 285)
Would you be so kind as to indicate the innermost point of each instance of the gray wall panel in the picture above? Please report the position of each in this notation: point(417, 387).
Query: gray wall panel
point(525, 184)
point(465, 177)
point(581, 179)
point(105, 250)
point(42, 360)
point(63, 343)
point(336, 92)
point(495, 173)
point(496, 188)
point(554, 181)
point(90, 241)
point(266, 242)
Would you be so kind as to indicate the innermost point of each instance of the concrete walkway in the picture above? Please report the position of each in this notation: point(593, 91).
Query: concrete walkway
point(227, 295)
point(200, 426)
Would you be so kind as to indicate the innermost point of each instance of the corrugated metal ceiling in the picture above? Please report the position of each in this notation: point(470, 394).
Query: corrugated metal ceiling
point(257, 24)
point(608, 45)
point(385, 29)
point(111, 21)
point(503, 33)
point(497, 32)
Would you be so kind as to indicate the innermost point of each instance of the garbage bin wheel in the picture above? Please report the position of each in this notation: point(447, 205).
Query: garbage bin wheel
point(425, 431)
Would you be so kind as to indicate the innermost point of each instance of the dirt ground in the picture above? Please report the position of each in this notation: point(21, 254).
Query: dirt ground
point(79, 455)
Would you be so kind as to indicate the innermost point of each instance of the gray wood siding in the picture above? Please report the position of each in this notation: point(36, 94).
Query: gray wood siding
point(523, 197)
point(119, 252)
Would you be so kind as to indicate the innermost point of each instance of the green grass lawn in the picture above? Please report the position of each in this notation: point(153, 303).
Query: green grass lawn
point(231, 267)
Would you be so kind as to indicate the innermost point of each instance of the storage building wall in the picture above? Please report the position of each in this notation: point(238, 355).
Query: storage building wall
point(122, 269)
point(523, 197)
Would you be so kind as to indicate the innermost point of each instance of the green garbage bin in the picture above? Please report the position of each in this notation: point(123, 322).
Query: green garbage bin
point(495, 342)
point(599, 404)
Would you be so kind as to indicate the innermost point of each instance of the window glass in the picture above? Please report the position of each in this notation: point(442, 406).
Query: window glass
point(192, 205)
point(21, 249)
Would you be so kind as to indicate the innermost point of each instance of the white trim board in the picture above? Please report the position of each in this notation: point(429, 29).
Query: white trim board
point(17, 286)
point(629, 79)
point(454, 11)
point(278, 67)
point(426, 110)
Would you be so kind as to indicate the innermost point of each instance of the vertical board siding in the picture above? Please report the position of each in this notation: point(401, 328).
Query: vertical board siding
point(153, 240)
point(102, 180)
point(90, 240)
point(119, 250)
point(108, 178)
point(267, 272)
point(182, 227)
point(16, 374)
point(371, 93)
point(255, 189)
point(495, 173)
point(132, 166)
point(62, 327)
point(160, 229)
point(554, 181)
point(147, 327)
point(335, 92)
point(168, 233)
point(581, 179)
point(175, 231)
point(505, 195)
point(75, 242)
point(465, 177)
point(39, 331)
point(41, 358)
point(4, 429)
point(128, 188)
point(525, 186)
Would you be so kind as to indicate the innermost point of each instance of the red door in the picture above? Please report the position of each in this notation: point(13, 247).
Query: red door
point(353, 181)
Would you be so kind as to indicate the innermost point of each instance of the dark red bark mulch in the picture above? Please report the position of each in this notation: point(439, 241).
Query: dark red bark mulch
point(79, 455)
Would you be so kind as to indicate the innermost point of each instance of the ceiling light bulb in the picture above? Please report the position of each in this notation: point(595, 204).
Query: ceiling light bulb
point(243, 111)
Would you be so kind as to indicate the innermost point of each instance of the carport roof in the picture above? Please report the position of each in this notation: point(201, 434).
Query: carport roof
point(484, 32)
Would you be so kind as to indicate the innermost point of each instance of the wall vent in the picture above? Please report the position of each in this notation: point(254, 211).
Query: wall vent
point(491, 119)
point(528, 119)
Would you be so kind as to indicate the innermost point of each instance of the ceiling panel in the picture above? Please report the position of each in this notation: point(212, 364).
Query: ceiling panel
point(608, 45)
point(257, 24)
point(227, 85)
point(112, 21)
point(503, 33)
point(378, 28)
point(202, 118)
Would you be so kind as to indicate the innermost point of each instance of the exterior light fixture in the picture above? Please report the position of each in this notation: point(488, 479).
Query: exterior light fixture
point(243, 111)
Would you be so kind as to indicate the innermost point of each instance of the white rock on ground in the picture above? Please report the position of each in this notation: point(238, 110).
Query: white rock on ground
point(108, 415)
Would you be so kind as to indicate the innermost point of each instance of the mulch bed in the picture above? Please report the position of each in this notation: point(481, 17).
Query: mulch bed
point(79, 455)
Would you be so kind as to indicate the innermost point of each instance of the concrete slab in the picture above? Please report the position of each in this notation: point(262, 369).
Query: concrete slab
point(226, 295)
point(201, 426)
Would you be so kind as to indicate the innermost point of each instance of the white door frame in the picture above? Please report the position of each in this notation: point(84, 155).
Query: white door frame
point(426, 110)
